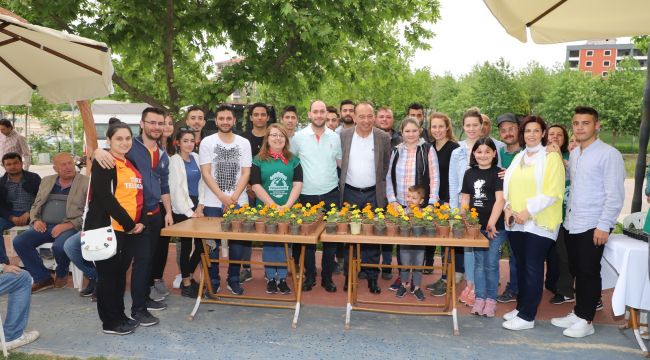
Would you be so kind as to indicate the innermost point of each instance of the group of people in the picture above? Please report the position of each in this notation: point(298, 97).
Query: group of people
point(553, 198)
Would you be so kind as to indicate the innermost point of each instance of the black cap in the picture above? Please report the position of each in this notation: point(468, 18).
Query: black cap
point(507, 117)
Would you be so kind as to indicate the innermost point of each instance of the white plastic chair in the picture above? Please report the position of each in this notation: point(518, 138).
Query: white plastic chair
point(2, 339)
point(77, 275)
point(636, 219)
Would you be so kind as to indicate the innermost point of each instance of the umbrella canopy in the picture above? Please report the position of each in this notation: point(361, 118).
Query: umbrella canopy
point(63, 68)
point(556, 21)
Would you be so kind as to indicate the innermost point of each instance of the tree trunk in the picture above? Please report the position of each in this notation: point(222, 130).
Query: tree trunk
point(644, 133)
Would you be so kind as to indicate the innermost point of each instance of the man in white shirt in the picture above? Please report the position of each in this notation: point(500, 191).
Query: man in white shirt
point(226, 161)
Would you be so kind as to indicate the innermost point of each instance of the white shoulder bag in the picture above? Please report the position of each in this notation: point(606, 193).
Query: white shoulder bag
point(97, 244)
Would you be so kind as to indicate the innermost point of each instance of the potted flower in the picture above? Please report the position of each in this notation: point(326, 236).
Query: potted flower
point(457, 227)
point(418, 221)
point(283, 217)
point(342, 219)
point(260, 218)
point(309, 215)
point(355, 222)
point(392, 218)
point(367, 220)
point(249, 217)
point(380, 222)
point(331, 220)
point(271, 225)
point(403, 223)
point(295, 223)
point(441, 218)
point(237, 217)
point(226, 221)
point(473, 224)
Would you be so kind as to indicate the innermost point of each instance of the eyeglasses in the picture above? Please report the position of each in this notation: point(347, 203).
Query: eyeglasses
point(154, 123)
point(276, 135)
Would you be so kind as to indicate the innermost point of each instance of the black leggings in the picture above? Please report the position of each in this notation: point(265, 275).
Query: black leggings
point(188, 259)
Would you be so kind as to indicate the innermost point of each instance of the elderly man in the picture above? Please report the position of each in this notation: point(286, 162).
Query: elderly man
point(11, 141)
point(55, 216)
point(18, 189)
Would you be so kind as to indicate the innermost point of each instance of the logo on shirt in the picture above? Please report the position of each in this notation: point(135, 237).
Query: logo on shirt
point(226, 166)
point(479, 192)
point(133, 183)
point(278, 187)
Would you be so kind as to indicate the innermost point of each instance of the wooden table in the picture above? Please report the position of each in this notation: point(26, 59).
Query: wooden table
point(448, 267)
point(210, 228)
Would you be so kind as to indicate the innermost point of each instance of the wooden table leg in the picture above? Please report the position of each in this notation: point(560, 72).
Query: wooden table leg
point(301, 268)
point(634, 322)
point(451, 277)
point(348, 308)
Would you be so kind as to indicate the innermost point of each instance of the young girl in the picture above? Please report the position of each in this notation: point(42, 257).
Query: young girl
point(412, 254)
point(186, 190)
point(483, 190)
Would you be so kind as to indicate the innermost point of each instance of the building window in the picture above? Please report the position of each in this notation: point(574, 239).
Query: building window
point(608, 53)
point(573, 63)
point(574, 53)
point(590, 53)
point(605, 73)
point(637, 52)
point(623, 53)
point(606, 63)
point(588, 63)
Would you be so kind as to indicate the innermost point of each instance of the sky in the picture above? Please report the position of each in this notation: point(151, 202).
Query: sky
point(467, 34)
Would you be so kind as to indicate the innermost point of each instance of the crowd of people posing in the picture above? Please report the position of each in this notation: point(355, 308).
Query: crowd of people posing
point(553, 198)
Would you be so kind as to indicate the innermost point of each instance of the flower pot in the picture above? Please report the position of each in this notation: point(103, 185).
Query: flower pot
point(418, 230)
point(430, 231)
point(226, 226)
point(473, 231)
point(459, 232)
point(248, 226)
point(271, 228)
point(342, 228)
point(294, 229)
point(404, 230)
point(259, 227)
point(380, 229)
point(283, 228)
point(391, 229)
point(306, 229)
point(367, 229)
point(443, 231)
point(355, 228)
point(236, 225)
point(330, 228)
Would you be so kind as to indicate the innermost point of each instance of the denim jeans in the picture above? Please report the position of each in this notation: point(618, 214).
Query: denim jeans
point(19, 288)
point(274, 252)
point(6, 224)
point(142, 256)
point(411, 255)
point(468, 260)
point(72, 248)
point(486, 267)
point(513, 284)
point(26, 243)
point(235, 252)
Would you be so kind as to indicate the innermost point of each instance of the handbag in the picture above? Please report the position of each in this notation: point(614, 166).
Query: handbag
point(97, 244)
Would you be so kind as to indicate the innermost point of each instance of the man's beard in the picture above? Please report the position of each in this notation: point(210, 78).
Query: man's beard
point(347, 120)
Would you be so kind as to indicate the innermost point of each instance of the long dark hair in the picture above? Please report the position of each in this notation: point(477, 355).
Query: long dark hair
point(532, 119)
point(487, 141)
point(116, 125)
point(565, 145)
point(176, 143)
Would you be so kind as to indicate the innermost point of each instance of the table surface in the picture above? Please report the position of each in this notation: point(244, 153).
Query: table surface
point(405, 240)
point(210, 228)
point(625, 267)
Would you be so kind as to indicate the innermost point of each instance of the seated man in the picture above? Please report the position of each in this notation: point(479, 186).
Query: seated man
point(55, 216)
point(18, 189)
point(17, 283)
point(72, 248)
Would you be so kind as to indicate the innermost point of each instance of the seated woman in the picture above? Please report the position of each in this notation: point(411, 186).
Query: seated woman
point(276, 179)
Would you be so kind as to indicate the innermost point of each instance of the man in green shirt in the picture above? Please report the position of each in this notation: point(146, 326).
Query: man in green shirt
point(508, 125)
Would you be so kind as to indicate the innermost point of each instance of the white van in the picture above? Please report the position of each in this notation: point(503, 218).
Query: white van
point(129, 113)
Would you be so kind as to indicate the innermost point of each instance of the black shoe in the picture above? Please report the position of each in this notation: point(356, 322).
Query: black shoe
point(93, 296)
point(599, 305)
point(558, 299)
point(88, 290)
point(386, 275)
point(308, 284)
point(121, 329)
point(271, 287)
point(328, 284)
point(372, 286)
point(363, 275)
point(153, 305)
point(130, 322)
point(419, 294)
point(190, 291)
point(283, 288)
point(401, 291)
point(145, 318)
point(235, 288)
point(427, 271)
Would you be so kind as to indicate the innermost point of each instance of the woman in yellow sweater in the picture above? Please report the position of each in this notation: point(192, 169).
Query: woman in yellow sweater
point(533, 188)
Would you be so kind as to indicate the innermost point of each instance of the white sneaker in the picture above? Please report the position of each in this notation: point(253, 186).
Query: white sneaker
point(518, 324)
point(459, 277)
point(565, 322)
point(579, 329)
point(510, 315)
point(24, 339)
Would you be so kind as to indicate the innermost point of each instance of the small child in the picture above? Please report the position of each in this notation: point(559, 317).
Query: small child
point(412, 254)
point(483, 190)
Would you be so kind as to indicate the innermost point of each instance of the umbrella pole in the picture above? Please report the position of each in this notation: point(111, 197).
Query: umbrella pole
point(644, 134)
point(89, 130)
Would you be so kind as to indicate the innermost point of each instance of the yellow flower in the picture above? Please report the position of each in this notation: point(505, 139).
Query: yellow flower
point(299, 221)
point(308, 205)
point(429, 218)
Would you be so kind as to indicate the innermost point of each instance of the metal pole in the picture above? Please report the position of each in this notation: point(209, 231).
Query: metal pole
point(72, 131)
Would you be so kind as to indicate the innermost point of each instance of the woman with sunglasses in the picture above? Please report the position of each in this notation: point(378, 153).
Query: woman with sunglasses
point(276, 179)
point(186, 190)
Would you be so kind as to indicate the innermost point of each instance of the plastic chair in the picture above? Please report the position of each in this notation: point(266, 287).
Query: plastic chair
point(2, 339)
point(77, 275)
point(636, 219)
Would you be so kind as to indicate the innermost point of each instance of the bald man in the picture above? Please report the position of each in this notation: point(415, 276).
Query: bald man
point(55, 216)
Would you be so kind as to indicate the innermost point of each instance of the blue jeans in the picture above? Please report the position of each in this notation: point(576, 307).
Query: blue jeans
point(274, 252)
point(19, 288)
point(72, 248)
point(468, 260)
point(486, 267)
point(6, 224)
point(26, 243)
point(235, 252)
point(513, 284)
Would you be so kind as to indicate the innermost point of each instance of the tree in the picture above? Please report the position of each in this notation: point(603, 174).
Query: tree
point(535, 82)
point(163, 49)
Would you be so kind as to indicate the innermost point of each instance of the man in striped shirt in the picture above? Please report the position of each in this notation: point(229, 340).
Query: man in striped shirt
point(11, 141)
